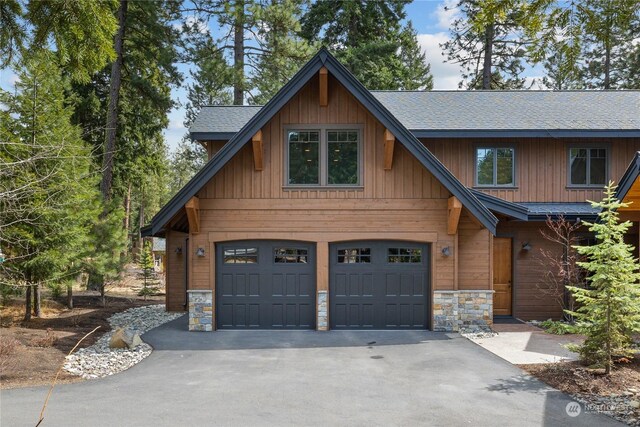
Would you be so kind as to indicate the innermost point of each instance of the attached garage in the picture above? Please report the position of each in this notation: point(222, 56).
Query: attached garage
point(379, 285)
point(266, 285)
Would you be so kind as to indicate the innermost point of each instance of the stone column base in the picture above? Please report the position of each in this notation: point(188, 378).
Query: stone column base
point(200, 310)
point(463, 309)
point(322, 311)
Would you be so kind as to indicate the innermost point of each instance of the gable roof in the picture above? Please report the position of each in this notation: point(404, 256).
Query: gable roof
point(494, 114)
point(323, 58)
point(629, 178)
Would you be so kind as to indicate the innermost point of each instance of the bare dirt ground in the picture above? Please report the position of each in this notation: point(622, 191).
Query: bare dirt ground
point(32, 352)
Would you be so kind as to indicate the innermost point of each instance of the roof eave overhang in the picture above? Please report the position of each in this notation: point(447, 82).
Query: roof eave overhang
point(503, 207)
point(629, 178)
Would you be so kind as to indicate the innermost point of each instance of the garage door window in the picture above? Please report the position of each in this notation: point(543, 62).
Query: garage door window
point(290, 256)
point(241, 256)
point(354, 256)
point(404, 255)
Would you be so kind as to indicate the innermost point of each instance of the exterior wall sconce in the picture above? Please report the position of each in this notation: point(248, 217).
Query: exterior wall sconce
point(200, 251)
point(446, 251)
point(179, 250)
point(526, 246)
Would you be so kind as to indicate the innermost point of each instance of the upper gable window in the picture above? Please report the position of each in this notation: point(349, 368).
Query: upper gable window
point(587, 166)
point(323, 157)
point(495, 166)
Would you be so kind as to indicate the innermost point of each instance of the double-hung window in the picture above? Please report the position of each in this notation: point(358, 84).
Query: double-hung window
point(587, 166)
point(323, 157)
point(495, 167)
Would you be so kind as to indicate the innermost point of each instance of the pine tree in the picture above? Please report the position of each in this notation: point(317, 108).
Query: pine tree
point(285, 52)
point(147, 265)
point(609, 311)
point(49, 198)
point(486, 41)
point(372, 40)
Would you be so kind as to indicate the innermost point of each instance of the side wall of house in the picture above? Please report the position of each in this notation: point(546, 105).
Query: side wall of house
point(541, 165)
point(175, 271)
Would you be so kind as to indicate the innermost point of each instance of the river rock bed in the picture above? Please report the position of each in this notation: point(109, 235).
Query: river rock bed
point(98, 360)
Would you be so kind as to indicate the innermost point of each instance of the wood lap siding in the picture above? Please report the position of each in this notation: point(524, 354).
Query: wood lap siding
point(474, 252)
point(541, 166)
point(175, 271)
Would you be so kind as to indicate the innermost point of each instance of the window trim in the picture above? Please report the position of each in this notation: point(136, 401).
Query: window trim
point(588, 146)
point(496, 146)
point(324, 156)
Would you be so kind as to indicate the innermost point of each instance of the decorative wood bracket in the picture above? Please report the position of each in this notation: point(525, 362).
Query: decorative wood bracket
point(256, 141)
point(324, 87)
point(389, 142)
point(193, 214)
point(454, 208)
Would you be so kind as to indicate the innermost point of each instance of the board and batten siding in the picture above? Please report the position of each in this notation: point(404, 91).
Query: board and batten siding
point(404, 203)
point(541, 165)
point(175, 272)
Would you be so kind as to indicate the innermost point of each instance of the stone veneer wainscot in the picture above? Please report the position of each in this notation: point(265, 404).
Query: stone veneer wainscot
point(200, 310)
point(453, 310)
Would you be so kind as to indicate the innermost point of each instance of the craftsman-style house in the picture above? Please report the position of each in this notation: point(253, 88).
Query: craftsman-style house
point(336, 207)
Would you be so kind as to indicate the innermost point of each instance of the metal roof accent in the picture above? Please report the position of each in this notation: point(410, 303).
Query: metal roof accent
point(403, 135)
point(502, 206)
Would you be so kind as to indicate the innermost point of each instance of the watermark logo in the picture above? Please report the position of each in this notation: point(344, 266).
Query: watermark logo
point(573, 409)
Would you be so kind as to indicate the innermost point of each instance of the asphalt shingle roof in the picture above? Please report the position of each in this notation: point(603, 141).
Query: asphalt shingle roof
point(476, 111)
point(223, 118)
point(508, 110)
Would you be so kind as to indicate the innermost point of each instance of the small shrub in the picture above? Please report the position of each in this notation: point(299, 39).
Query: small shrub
point(48, 340)
point(8, 292)
point(8, 347)
point(558, 328)
point(55, 289)
point(148, 291)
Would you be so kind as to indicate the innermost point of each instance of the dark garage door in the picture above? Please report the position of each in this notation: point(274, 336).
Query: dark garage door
point(379, 285)
point(265, 285)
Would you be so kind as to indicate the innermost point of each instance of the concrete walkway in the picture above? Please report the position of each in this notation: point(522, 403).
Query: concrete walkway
point(521, 343)
point(304, 378)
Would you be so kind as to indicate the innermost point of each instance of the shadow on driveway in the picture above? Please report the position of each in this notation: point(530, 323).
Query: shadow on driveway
point(175, 336)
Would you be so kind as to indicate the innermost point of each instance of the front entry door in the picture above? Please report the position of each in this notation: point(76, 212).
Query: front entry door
point(502, 276)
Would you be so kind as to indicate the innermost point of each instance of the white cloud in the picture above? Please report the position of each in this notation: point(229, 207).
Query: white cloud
point(193, 22)
point(445, 75)
point(446, 13)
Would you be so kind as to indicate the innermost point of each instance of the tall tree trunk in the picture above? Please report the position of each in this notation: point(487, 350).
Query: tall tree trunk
point(70, 296)
point(127, 209)
point(488, 56)
point(238, 53)
point(112, 110)
point(27, 303)
point(140, 225)
point(36, 299)
point(607, 66)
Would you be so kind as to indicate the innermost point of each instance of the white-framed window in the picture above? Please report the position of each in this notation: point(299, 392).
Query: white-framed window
point(329, 157)
point(588, 166)
point(495, 166)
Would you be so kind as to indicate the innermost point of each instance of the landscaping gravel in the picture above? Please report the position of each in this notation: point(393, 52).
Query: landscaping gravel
point(99, 360)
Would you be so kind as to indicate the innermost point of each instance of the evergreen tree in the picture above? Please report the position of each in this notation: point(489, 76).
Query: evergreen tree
point(186, 161)
point(48, 201)
point(80, 32)
point(609, 311)
point(486, 41)
point(278, 25)
point(371, 40)
point(147, 265)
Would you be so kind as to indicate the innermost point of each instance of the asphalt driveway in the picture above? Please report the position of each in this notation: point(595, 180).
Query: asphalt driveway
point(254, 378)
